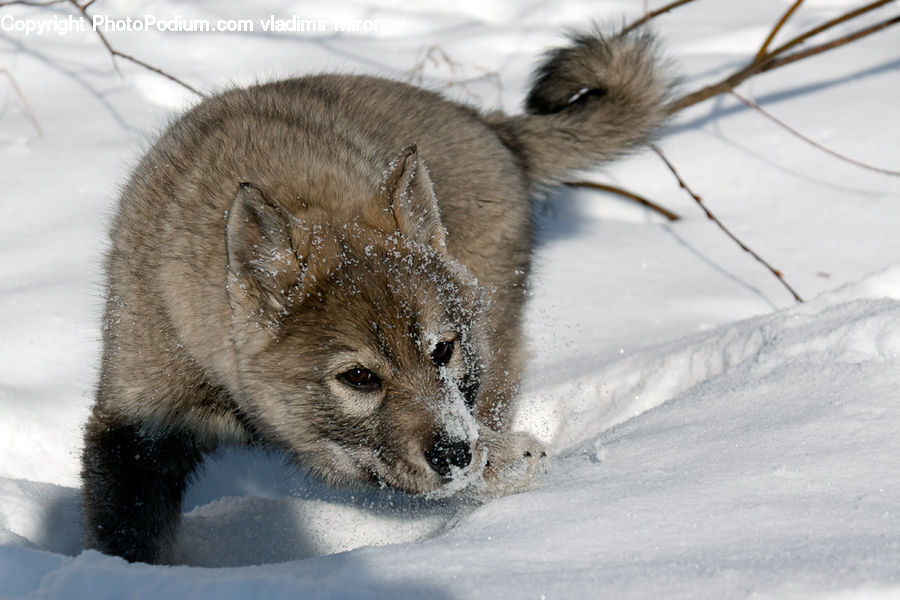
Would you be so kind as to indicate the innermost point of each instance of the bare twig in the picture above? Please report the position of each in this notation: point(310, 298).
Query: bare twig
point(774, 59)
point(653, 14)
point(82, 8)
point(784, 19)
point(460, 77)
point(810, 141)
point(832, 44)
point(668, 214)
point(23, 100)
point(714, 219)
point(767, 60)
point(31, 2)
point(830, 24)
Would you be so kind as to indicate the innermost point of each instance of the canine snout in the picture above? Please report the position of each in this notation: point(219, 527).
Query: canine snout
point(448, 452)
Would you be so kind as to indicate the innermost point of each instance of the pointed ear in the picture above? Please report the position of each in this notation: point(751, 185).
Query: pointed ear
point(408, 191)
point(262, 263)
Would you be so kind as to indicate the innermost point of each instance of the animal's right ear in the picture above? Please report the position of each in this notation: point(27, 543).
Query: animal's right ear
point(263, 265)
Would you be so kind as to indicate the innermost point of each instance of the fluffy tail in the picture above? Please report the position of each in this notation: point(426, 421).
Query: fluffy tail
point(589, 102)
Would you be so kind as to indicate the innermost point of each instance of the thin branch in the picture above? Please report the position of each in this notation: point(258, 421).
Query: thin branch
point(82, 8)
point(668, 214)
point(784, 19)
point(714, 219)
point(24, 101)
point(159, 71)
point(654, 14)
point(773, 60)
point(830, 24)
point(775, 64)
point(459, 72)
point(810, 141)
point(31, 2)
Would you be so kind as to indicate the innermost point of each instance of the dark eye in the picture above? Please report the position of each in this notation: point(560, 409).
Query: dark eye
point(361, 379)
point(442, 354)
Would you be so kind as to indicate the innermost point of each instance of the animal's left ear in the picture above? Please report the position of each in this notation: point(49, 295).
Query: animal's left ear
point(408, 191)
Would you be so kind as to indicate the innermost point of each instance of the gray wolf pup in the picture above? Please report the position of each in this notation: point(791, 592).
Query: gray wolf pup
point(334, 266)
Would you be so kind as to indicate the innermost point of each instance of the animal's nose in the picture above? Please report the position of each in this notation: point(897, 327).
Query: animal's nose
point(447, 452)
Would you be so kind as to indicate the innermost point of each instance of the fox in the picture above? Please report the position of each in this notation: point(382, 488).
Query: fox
point(335, 267)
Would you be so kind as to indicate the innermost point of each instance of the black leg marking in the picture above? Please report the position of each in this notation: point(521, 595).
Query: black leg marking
point(133, 484)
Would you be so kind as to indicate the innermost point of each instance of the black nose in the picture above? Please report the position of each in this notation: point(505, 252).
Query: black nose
point(446, 452)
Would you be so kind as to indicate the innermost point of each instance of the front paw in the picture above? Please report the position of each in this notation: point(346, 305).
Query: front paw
point(515, 462)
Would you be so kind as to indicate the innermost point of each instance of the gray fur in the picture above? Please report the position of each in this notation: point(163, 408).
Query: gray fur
point(589, 103)
point(282, 247)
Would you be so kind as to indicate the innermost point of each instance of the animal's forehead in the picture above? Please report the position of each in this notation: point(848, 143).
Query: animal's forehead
point(355, 259)
point(395, 292)
point(384, 296)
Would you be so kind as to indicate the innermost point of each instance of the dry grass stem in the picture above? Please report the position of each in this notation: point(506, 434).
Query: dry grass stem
point(460, 77)
point(23, 100)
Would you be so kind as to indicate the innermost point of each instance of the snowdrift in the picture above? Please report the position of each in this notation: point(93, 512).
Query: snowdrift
point(761, 456)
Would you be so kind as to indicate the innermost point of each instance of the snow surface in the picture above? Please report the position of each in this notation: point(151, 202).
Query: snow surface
point(710, 438)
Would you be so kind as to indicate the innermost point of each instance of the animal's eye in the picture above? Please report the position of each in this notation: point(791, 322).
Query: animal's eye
point(361, 379)
point(442, 354)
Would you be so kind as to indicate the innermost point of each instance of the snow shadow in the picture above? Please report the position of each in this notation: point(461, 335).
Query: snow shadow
point(247, 507)
point(250, 507)
point(41, 516)
point(570, 212)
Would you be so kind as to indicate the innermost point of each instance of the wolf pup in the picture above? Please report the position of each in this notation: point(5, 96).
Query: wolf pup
point(334, 266)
